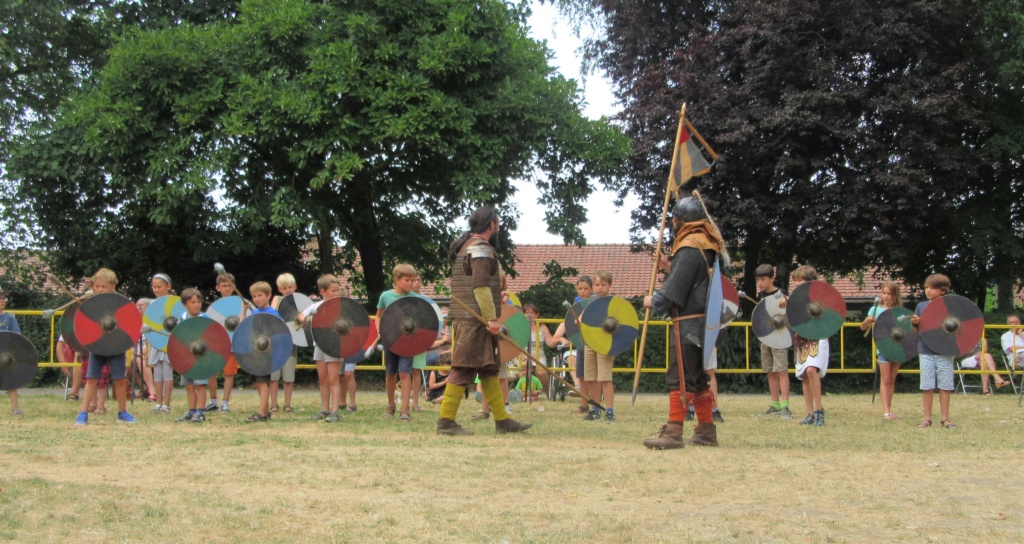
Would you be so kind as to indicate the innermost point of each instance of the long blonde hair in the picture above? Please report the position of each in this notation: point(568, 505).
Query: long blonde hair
point(894, 290)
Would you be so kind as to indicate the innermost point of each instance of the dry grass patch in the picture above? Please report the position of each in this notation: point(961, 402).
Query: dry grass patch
point(371, 479)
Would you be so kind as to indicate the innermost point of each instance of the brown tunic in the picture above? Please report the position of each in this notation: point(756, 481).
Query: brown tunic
point(472, 345)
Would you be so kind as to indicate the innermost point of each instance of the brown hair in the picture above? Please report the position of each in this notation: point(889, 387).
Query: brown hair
point(190, 293)
point(260, 287)
point(805, 273)
point(894, 290)
point(479, 221)
point(604, 276)
point(938, 281)
point(764, 271)
point(226, 277)
point(324, 282)
point(403, 270)
point(586, 280)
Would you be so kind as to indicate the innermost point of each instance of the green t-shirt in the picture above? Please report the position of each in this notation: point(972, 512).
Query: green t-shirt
point(537, 385)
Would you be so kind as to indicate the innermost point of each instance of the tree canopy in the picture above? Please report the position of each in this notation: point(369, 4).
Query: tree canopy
point(376, 124)
point(853, 134)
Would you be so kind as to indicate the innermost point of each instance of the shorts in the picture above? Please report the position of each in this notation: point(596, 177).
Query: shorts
point(231, 366)
point(774, 360)
point(162, 372)
point(189, 381)
point(287, 371)
point(1018, 360)
point(881, 358)
point(319, 355)
point(598, 367)
point(96, 363)
point(261, 379)
point(936, 372)
point(348, 368)
point(393, 364)
point(503, 371)
point(419, 362)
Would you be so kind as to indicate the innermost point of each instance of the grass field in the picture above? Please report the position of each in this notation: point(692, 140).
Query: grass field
point(370, 479)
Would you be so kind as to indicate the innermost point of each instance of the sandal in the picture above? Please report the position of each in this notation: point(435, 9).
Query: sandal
point(481, 415)
point(890, 415)
point(417, 409)
point(273, 409)
point(17, 412)
point(73, 396)
point(389, 411)
point(947, 424)
point(1002, 384)
point(404, 418)
point(924, 424)
point(289, 410)
point(987, 393)
point(100, 411)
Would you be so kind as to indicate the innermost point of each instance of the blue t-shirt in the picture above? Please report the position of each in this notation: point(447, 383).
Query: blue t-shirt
point(9, 323)
point(922, 349)
point(389, 296)
point(268, 310)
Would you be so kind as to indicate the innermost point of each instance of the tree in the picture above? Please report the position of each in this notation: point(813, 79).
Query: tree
point(852, 133)
point(374, 125)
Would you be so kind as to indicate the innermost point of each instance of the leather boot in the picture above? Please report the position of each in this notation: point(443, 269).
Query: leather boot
point(670, 437)
point(451, 428)
point(705, 434)
point(511, 426)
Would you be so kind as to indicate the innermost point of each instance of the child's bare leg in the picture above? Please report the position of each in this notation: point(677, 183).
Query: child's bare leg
point(147, 378)
point(334, 373)
point(200, 396)
point(121, 394)
point(190, 390)
point(714, 389)
point(406, 380)
point(815, 383)
point(808, 400)
point(13, 395)
point(325, 386)
point(264, 390)
point(274, 387)
point(212, 386)
point(76, 380)
point(168, 388)
point(944, 404)
point(89, 395)
point(608, 388)
point(288, 386)
point(773, 386)
point(229, 385)
point(417, 385)
point(784, 385)
point(390, 382)
point(926, 404)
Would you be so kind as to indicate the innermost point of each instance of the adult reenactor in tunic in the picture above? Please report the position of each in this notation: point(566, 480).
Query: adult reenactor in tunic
point(476, 282)
point(696, 245)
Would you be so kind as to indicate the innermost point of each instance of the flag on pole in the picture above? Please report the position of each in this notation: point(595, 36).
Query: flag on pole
point(689, 162)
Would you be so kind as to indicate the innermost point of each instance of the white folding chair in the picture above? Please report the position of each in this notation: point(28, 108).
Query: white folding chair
point(1015, 382)
point(958, 361)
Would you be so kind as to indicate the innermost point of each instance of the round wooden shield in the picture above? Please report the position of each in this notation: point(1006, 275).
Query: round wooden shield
point(108, 324)
point(262, 344)
point(229, 312)
point(609, 325)
point(516, 326)
point(67, 327)
point(340, 327)
point(894, 335)
point(360, 355)
point(198, 348)
point(290, 307)
point(572, 328)
point(408, 327)
point(816, 310)
point(19, 361)
point(730, 301)
point(515, 300)
point(769, 323)
point(951, 325)
point(161, 313)
point(713, 314)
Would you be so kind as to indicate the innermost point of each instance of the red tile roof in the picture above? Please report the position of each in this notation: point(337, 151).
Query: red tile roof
point(631, 272)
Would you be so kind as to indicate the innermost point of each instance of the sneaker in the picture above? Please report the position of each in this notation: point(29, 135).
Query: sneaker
point(331, 417)
point(609, 417)
point(125, 417)
point(353, 408)
point(716, 416)
point(773, 411)
point(224, 407)
point(786, 414)
point(186, 417)
point(319, 416)
point(211, 406)
point(819, 418)
point(256, 418)
point(157, 409)
point(690, 414)
point(197, 417)
point(82, 419)
point(165, 409)
point(508, 408)
point(807, 420)
point(593, 415)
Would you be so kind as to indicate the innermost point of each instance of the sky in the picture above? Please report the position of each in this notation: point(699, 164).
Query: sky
point(547, 24)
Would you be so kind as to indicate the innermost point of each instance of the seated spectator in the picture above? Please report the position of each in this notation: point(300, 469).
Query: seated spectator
point(535, 389)
point(987, 363)
point(1013, 343)
point(436, 384)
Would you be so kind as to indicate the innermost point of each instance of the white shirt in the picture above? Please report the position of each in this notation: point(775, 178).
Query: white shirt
point(1012, 342)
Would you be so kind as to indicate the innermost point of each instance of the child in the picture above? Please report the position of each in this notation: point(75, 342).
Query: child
point(398, 368)
point(9, 323)
point(139, 358)
point(327, 368)
point(225, 288)
point(936, 370)
point(888, 298)
point(597, 375)
point(260, 293)
point(775, 362)
point(286, 285)
point(419, 362)
point(811, 361)
point(67, 355)
point(163, 374)
point(535, 387)
point(584, 288)
point(105, 281)
point(196, 389)
point(438, 379)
